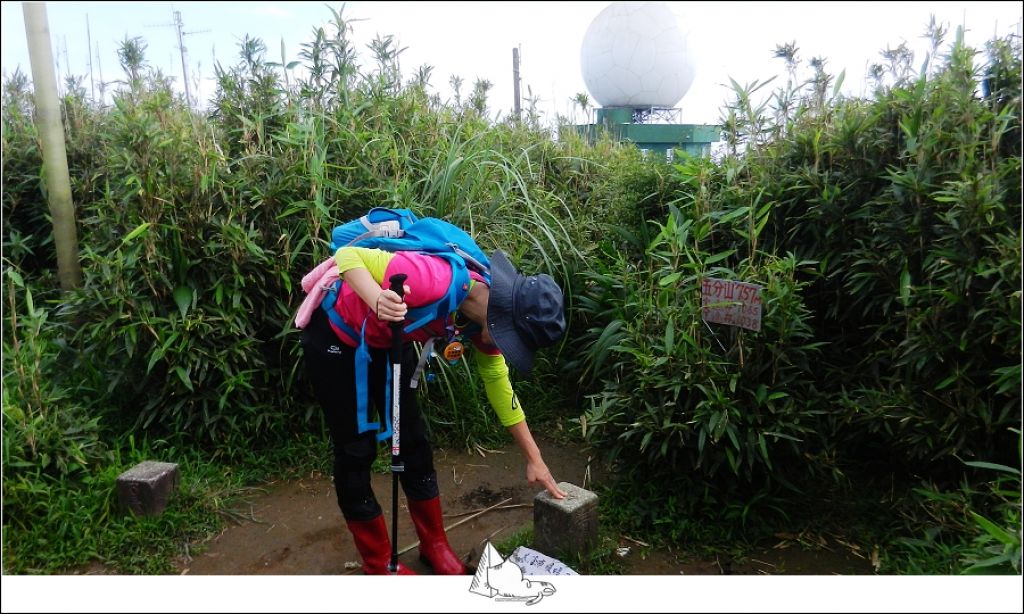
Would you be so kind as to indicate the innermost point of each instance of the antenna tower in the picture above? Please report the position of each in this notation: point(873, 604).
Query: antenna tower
point(177, 24)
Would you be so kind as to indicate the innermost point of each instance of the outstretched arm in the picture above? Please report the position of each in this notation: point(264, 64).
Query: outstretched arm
point(536, 469)
point(494, 373)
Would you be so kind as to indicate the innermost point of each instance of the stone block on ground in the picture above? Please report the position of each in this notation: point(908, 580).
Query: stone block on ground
point(146, 488)
point(565, 526)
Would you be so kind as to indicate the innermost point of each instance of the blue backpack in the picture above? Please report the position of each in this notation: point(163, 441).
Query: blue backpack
point(400, 230)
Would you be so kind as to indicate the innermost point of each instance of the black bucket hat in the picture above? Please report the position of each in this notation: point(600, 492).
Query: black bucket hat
point(524, 313)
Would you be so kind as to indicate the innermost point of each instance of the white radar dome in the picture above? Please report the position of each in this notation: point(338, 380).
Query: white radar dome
point(635, 54)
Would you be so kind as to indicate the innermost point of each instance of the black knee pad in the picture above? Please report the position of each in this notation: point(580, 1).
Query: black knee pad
point(419, 486)
point(359, 508)
point(359, 452)
point(352, 462)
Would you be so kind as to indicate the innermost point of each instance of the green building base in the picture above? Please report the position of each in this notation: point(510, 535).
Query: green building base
point(658, 139)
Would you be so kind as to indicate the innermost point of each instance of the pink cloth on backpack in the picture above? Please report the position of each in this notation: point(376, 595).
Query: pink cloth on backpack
point(428, 280)
point(320, 278)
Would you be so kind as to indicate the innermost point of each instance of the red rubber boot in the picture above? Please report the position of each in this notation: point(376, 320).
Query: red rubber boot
point(371, 537)
point(434, 548)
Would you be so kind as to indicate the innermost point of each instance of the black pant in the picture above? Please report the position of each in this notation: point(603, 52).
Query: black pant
point(330, 365)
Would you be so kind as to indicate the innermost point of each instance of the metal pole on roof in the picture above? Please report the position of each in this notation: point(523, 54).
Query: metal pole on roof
point(184, 68)
point(57, 181)
point(515, 82)
point(88, 38)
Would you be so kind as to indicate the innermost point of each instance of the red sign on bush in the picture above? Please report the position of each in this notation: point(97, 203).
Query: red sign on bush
point(735, 303)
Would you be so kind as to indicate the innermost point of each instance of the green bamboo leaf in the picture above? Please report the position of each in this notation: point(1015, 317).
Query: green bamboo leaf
point(140, 229)
point(713, 425)
point(905, 286)
point(129, 345)
point(670, 279)
point(730, 430)
point(183, 297)
point(733, 461)
point(781, 435)
point(762, 221)
point(153, 358)
point(719, 256)
point(688, 339)
point(763, 445)
point(183, 376)
point(294, 207)
point(989, 562)
point(995, 466)
point(670, 337)
point(839, 83)
point(995, 531)
point(604, 344)
point(735, 213)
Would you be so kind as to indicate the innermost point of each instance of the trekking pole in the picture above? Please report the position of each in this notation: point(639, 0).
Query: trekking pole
point(397, 466)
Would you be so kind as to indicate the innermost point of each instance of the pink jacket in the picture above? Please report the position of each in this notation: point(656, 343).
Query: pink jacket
point(320, 279)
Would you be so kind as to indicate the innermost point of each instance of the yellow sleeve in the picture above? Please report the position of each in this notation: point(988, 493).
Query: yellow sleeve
point(373, 260)
point(494, 372)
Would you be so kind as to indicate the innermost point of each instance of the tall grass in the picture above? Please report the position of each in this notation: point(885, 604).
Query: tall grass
point(886, 234)
point(195, 230)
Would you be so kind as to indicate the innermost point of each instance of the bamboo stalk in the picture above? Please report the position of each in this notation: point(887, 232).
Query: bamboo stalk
point(51, 133)
point(501, 507)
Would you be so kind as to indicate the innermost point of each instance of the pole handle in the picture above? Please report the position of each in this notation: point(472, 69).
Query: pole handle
point(398, 284)
point(398, 287)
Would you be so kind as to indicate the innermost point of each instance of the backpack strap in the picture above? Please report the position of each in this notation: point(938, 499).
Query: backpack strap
point(453, 297)
point(362, 360)
point(425, 354)
point(328, 303)
point(471, 261)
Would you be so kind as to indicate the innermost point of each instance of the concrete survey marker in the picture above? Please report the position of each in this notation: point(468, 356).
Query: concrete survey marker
point(565, 526)
point(146, 488)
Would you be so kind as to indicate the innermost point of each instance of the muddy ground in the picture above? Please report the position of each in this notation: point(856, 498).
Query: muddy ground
point(295, 528)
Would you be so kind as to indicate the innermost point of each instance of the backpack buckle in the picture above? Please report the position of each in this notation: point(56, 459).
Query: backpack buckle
point(389, 229)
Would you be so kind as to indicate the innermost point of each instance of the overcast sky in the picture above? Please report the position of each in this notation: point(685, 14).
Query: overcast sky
point(475, 40)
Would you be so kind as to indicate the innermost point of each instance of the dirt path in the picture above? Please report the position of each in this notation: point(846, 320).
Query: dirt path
point(295, 527)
